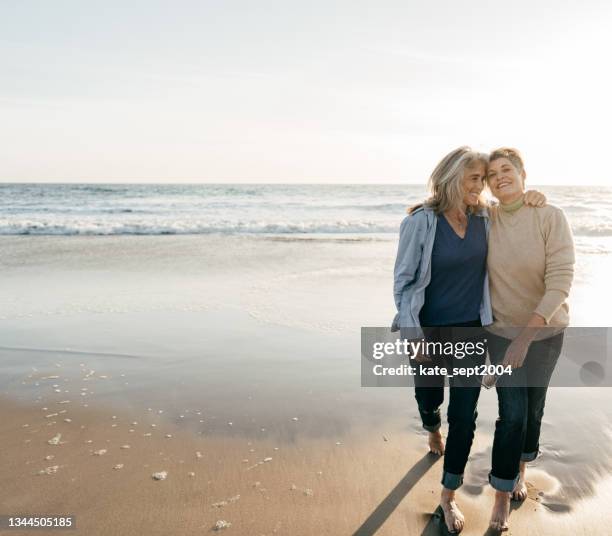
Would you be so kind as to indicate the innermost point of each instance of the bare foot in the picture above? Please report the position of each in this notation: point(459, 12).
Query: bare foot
point(436, 443)
point(452, 515)
point(501, 511)
point(519, 493)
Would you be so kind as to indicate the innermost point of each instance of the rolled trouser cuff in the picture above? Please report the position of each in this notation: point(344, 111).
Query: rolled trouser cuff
point(451, 481)
point(529, 456)
point(503, 484)
point(431, 419)
point(432, 427)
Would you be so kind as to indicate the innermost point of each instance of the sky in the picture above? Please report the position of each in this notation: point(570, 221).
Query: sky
point(287, 91)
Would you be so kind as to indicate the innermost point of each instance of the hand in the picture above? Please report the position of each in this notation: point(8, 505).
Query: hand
point(489, 381)
point(533, 198)
point(420, 357)
point(516, 353)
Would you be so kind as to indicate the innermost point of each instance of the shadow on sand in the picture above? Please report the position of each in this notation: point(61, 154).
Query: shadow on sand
point(396, 495)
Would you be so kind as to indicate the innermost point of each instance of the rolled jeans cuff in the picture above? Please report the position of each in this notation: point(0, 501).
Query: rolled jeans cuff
point(431, 419)
point(432, 427)
point(451, 481)
point(503, 484)
point(529, 456)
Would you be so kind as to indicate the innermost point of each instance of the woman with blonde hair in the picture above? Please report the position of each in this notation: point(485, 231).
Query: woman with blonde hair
point(440, 280)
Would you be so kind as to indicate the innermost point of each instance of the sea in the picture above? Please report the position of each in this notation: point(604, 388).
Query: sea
point(300, 210)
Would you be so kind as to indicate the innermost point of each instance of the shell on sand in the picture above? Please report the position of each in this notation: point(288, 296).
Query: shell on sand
point(161, 475)
point(125, 446)
point(100, 452)
point(222, 524)
point(226, 501)
point(198, 454)
point(55, 440)
point(118, 466)
point(49, 470)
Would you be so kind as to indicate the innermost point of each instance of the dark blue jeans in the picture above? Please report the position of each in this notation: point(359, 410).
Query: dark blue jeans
point(462, 414)
point(521, 399)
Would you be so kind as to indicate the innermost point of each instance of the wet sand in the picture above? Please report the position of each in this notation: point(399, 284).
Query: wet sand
point(363, 482)
point(197, 341)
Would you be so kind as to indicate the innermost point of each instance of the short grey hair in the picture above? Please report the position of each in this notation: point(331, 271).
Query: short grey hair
point(445, 182)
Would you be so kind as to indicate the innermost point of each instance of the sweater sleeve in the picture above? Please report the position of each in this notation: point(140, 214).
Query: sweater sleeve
point(408, 259)
point(559, 269)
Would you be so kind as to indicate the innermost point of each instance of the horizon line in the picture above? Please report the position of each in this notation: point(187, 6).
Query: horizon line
point(212, 183)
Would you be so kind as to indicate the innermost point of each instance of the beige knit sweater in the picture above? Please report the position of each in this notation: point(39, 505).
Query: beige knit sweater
point(531, 267)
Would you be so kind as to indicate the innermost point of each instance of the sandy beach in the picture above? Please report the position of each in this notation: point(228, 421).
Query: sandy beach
point(202, 206)
point(246, 351)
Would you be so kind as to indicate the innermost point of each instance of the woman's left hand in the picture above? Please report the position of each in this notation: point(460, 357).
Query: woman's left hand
point(516, 353)
point(533, 198)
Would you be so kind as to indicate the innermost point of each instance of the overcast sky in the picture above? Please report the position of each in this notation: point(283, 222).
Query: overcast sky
point(289, 91)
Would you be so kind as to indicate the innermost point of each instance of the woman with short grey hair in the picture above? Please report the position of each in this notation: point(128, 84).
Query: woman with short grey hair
point(531, 268)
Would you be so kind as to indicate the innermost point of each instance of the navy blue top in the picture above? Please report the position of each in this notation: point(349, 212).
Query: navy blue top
point(458, 267)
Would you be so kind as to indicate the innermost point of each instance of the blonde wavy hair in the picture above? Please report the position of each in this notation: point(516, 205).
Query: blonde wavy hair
point(444, 185)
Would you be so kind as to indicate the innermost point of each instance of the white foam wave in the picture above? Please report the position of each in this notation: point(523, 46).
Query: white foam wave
point(156, 227)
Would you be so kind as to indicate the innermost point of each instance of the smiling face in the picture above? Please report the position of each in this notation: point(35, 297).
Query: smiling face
point(506, 182)
point(473, 183)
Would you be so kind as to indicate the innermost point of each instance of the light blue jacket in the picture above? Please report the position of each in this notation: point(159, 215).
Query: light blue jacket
point(412, 271)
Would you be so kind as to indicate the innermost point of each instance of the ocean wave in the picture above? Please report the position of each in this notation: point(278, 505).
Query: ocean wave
point(593, 229)
point(165, 226)
point(193, 227)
